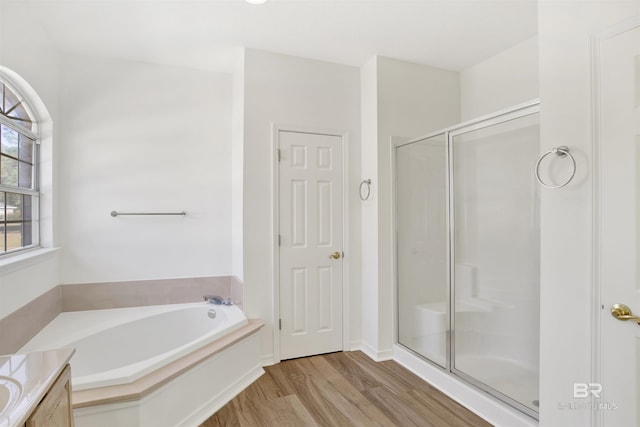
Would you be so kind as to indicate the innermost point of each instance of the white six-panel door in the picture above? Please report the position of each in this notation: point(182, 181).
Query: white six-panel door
point(310, 243)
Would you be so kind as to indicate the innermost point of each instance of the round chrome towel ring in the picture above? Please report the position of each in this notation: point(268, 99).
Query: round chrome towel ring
point(562, 151)
point(364, 182)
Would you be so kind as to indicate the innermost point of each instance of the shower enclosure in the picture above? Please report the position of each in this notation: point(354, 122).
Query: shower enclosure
point(468, 252)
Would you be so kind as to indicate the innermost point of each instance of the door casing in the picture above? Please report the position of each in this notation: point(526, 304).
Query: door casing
point(346, 260)
point(600, 312)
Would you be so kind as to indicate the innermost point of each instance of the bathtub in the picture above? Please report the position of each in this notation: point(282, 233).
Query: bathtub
point(119, 350)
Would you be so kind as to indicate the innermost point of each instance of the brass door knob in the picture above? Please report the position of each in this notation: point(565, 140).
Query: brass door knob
point(335, 255)
point(622, 312)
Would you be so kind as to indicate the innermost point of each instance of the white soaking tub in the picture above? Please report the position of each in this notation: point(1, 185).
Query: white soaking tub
point(117, 349)
point(118, 346)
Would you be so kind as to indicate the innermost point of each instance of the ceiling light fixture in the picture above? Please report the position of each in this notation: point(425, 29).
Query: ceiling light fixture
point(256, 1)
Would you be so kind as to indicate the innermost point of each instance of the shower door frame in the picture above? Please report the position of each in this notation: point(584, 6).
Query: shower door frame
point(502, 116)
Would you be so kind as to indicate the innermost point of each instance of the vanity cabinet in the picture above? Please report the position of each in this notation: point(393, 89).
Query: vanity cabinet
point(55, 410)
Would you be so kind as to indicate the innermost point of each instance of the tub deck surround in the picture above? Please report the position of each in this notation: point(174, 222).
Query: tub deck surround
point(154, 380)
point(183, 393)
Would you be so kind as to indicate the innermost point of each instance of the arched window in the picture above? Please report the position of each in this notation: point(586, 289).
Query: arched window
point(19, 190)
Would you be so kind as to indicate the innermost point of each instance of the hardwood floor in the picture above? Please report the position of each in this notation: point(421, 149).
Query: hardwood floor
point(341, 389)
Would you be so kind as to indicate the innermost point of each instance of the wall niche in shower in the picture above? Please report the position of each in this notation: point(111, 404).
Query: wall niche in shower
point(468, 252)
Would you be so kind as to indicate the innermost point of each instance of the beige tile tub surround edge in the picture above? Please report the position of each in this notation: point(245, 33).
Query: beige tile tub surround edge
point(96, 296)
point(19, 327)
point(237, 291)
point(151, 382)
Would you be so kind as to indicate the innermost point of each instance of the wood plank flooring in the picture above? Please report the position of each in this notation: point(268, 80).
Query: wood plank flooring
point(341, 389)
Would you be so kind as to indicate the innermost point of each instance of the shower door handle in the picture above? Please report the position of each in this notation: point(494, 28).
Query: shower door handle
point(622, 312)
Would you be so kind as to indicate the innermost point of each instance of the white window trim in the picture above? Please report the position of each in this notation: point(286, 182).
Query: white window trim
point(42, 120)
point(25, 258)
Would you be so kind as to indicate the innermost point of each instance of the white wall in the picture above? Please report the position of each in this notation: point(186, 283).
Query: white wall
point(3, 14)
point(506, 79)
point(29, 53)
point(285, 90)
point(412, 100)
point(237, 170)
point(126, 136)
point(369, 164)
point(31, 56)
point(566, 216)
point(138, 137)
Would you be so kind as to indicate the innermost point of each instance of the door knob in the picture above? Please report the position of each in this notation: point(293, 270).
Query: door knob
point(335, 255)
point(622, 312)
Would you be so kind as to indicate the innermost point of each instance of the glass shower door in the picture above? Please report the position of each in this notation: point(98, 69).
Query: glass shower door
point(421, 247)
point(496, 258)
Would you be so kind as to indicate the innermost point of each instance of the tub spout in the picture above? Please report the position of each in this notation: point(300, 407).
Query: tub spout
point(213, 299)
point(216, 300)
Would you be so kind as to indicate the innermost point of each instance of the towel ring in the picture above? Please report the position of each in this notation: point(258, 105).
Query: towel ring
point(364, 182)
point(562, 151)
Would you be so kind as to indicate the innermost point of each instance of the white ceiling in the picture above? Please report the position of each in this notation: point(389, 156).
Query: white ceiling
point(450, 34)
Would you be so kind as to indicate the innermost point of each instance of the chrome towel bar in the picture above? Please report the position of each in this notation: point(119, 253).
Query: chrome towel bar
point(115, 213)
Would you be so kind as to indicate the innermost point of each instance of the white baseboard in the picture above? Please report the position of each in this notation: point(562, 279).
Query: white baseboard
point(267, 360)
point(375, 354)
point(355, 345)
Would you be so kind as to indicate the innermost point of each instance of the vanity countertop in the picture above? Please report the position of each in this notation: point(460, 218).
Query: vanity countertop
point(25, 379)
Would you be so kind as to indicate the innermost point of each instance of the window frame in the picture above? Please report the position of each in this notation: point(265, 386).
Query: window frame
point(34, 191)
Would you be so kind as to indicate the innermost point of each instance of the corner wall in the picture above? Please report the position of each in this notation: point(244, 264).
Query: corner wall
point(286, 90)
point(502, 81)
point(369, 208)
point(411, 100)
point(237, 169)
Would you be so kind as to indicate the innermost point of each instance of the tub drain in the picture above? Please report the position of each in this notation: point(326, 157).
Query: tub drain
point(212, 314)
point(536, 403)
